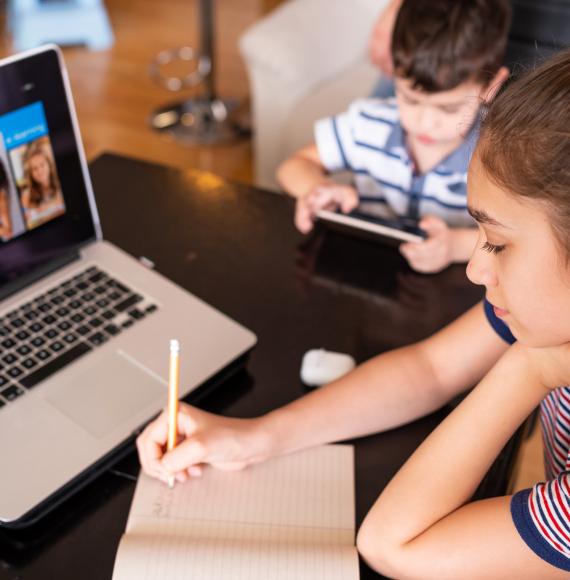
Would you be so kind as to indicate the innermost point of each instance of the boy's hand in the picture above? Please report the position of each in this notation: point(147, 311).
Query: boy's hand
point(326, 196)
point(433, 254)
point(204, 438)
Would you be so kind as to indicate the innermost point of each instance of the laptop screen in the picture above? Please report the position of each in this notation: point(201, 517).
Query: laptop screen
point(44, 206)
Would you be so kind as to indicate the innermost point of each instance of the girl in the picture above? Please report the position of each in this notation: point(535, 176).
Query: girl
point(515, 344)
point(42, 198)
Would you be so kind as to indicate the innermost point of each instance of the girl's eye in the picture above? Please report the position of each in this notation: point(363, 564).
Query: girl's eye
point(492, 248)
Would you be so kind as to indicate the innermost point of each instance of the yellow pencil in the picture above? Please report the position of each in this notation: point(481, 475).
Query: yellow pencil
point(173, 377)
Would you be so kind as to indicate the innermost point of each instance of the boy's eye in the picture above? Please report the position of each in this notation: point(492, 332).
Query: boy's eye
point(450, 110)
point(492, 248)
point(409, 100)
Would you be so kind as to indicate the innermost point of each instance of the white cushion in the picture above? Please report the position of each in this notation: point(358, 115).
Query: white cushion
point(311, 39)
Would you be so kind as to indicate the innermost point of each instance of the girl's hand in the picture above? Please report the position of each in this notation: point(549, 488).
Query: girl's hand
point(204, 438)
point(549, 365)
point(328, 196)
point(433, 254)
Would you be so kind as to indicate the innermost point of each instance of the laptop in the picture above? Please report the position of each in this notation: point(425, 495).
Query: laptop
point(84, 327)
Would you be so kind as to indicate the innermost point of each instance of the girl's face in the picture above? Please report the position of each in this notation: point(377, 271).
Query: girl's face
point(39, 168)
point(519, 261)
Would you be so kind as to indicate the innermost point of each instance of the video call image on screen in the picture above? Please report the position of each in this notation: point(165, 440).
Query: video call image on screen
point(30, 190)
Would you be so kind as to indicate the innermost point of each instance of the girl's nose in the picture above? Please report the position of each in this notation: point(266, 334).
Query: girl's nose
point(480, 269)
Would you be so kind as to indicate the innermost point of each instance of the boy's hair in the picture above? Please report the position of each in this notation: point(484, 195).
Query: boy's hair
point(524, 144)
point(439, 44)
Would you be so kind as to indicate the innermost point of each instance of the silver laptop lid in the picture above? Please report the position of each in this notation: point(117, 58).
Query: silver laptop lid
point(47, 208)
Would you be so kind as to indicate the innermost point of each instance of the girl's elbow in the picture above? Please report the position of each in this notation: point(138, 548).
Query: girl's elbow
point(377, 550)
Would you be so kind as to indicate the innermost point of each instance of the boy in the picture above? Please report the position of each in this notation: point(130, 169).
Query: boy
point(409, 155)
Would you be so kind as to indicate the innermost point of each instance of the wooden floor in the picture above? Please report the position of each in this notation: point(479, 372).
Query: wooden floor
point(115, 95)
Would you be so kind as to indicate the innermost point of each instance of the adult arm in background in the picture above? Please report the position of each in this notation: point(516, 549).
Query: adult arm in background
point(380, 45)
point(389, 390)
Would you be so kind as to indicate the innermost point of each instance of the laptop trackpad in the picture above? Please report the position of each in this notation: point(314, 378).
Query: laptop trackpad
point(105, 396)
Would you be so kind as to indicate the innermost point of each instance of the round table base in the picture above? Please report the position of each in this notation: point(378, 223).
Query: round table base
point(200, 121)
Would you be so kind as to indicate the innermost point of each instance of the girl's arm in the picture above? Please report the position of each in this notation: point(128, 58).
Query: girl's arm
point(422, 525)
point(391, 389)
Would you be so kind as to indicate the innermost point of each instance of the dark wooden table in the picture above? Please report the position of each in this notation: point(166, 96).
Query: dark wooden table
point(235, 246)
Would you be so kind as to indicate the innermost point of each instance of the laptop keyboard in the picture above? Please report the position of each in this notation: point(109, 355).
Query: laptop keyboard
point(57, 327)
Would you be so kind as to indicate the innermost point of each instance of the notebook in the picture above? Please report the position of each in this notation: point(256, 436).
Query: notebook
point(288, 518)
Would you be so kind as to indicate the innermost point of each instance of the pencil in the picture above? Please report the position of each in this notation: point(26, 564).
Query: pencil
point(173, 377)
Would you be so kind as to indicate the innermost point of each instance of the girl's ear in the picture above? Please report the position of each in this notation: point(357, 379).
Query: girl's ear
point(493, 87)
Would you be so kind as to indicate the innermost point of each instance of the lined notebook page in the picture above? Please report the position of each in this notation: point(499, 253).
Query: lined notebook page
point(290, 517)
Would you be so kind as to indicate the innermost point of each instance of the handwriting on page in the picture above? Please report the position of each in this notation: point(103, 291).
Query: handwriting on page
point(162, 502)
point(307, 489)
point(290, 517)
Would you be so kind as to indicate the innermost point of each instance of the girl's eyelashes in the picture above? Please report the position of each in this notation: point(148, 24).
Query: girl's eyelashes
point(492, 248)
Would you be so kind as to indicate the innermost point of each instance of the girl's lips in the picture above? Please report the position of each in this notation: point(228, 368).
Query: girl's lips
point(500, 312)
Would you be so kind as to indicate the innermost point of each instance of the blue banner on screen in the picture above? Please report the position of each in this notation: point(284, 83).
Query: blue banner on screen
point(24, 125)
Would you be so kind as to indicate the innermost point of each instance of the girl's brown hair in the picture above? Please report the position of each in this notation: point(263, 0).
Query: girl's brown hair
point(524, 144)
point(37, 195)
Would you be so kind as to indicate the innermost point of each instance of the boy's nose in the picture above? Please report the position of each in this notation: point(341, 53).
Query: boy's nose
point(425, 121)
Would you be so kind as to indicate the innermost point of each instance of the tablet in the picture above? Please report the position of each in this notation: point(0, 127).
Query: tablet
point(397, 229)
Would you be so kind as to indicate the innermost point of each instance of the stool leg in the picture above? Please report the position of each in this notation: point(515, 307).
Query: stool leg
point(208, 35)
point(207, 119)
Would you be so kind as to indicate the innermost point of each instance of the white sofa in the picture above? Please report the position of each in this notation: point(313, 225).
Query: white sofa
point(306, 59)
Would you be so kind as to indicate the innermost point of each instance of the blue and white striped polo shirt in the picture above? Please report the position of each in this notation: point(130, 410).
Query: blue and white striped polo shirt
point(369, 141)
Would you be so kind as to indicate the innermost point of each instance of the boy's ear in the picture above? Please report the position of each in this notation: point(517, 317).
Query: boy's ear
point(494, 86)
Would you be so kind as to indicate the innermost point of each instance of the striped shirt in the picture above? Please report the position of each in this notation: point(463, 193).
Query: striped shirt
point(541, 514)
point(369, 141)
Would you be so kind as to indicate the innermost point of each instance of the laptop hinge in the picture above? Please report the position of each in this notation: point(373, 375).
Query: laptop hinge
point(39, 273)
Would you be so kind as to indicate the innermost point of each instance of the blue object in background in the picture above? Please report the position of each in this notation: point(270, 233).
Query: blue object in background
point(64, 22)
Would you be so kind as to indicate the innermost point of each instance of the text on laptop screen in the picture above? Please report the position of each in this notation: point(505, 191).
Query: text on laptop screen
point(45, 212)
